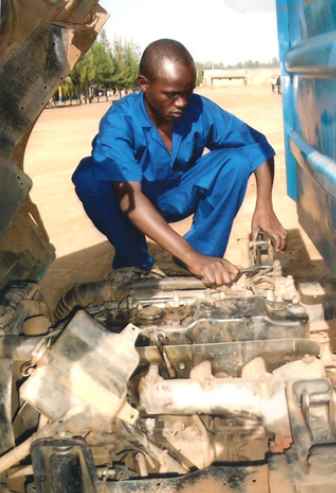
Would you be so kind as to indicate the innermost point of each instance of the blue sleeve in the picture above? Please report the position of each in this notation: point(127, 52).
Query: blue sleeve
point(226, 130)
point(113, 149)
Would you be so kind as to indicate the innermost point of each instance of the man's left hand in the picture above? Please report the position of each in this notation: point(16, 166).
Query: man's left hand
point(267, 221)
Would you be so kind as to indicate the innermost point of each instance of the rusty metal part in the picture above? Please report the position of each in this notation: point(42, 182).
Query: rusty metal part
point(126, 300)
point(261, 250)
point(23, 310)
point(312, 414)
point(36, 325)
point(182, 433)
point(232, 319)
point(142, 466)
point(230, 357)
point(89, 293)
point(38, 357)
point(126, 295)
point(7, 438)
point(63, 461)
point(161, 347)
point(167, 459)
point(205, 394)
point(16, 454)
point(221, 479)
point(40, 41)
point(177, 283)
point(307, 368)
point(18, 348)
point(86, 370)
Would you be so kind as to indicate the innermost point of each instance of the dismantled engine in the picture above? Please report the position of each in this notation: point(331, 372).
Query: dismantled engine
point(161, 384)
point(140, 384)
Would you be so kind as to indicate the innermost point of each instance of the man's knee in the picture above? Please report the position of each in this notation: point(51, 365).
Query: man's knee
point(82, 178)
point(235, 166)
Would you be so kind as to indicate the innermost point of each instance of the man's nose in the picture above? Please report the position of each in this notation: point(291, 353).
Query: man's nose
point(181, 102)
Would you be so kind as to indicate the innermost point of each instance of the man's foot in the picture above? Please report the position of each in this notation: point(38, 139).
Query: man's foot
point(127, 275)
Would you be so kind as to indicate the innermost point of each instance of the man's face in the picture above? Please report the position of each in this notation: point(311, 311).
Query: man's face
point(168, 94)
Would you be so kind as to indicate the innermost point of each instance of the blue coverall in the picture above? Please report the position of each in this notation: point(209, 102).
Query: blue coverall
point(186, 181)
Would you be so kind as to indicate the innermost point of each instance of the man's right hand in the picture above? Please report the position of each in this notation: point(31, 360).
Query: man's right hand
point(213, 271)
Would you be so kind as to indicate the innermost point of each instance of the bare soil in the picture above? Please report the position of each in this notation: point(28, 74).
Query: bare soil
point(63, 136)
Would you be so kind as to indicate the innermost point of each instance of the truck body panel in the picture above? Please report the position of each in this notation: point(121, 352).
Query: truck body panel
point(307, 42)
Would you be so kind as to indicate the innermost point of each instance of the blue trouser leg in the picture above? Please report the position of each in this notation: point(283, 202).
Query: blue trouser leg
point(102, 207)
point(213, 189)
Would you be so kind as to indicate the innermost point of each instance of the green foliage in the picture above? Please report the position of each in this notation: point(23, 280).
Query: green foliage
point(106, 67)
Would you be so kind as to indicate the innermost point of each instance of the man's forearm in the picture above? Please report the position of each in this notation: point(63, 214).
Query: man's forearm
point(264, 217)
point(142, 213)
point(264, 179)
point(147, 219)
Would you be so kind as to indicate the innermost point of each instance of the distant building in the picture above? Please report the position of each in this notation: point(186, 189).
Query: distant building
point(238, 77)
point(220, 77)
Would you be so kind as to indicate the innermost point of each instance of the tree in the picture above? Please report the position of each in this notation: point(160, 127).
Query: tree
point(126, 60)
point(83, 76)
point(103, 68)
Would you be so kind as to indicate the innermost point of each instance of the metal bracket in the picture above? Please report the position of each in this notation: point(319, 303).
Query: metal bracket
point(261, 250)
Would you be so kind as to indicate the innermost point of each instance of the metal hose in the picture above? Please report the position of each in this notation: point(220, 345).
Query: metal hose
point(87, 294)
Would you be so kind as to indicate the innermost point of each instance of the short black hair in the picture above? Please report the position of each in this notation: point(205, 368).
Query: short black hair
point(161, 49)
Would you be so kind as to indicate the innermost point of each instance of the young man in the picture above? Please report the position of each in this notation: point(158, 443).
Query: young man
point(148, 169)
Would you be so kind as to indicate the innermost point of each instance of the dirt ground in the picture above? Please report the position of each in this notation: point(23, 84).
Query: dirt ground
point(63, 136)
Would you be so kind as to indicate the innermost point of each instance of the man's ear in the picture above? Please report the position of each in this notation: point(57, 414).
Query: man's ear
point(143, 82)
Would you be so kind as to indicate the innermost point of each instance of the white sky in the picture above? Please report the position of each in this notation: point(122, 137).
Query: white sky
point(225, 31)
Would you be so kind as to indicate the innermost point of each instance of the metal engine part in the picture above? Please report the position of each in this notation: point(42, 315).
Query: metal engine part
point(261, 251)
point(262, 399)
point(139, 298)
point(23, 310)
point(63, 465)
point(231, 370)
point(240, 419)
point(219, 374)
point(67, 380)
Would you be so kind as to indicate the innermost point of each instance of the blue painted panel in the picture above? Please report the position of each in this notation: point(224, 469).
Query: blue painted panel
point(307, 41)
point(286, 85)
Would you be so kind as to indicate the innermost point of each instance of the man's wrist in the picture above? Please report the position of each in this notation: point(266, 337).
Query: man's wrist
point(189, 257)
point(264, 204)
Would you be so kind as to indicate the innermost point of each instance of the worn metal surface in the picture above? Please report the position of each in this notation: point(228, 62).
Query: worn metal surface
point(22, 304)
point(311, 405)
point(40, 41)
point(63, 466)
point(7, 439)
point(232, 420)
point(231, 357)
point(307, 39)
point(222, 479)
point(229, 320)
point(262, 398)
point(123, 298)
